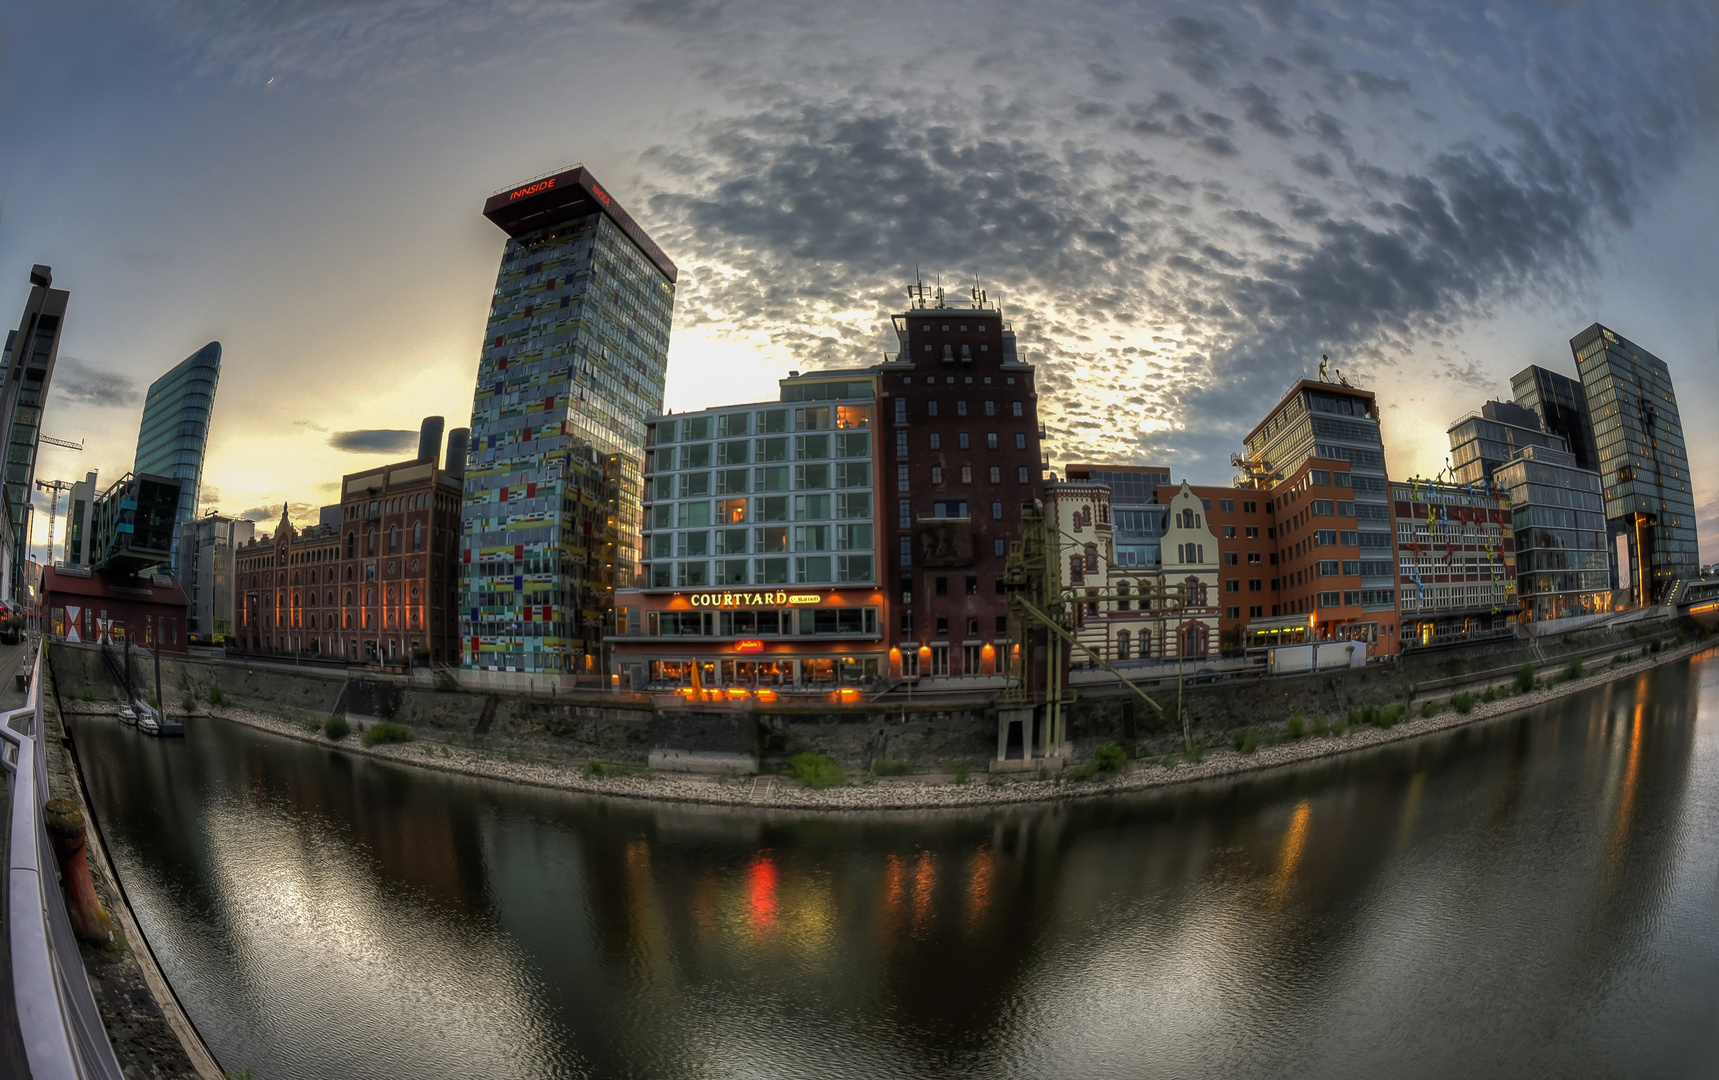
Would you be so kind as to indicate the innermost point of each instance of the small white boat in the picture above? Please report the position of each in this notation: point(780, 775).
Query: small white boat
point(148, 723)
point(127, 715)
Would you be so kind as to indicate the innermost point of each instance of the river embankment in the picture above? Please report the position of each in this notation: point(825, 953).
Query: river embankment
point(624, 780)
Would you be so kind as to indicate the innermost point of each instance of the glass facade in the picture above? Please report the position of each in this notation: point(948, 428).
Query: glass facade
point(762, 495)
point(1642, 460)
point(26, 369)
point(573, 363)
point(1561, 405)
point(175, 429)
point(1558, 515)
point(1480, 445)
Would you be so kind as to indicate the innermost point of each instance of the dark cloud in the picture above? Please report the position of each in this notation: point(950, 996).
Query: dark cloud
point(81, 383)
point(1375, 86)
point(1260, 109)
point(374, 441)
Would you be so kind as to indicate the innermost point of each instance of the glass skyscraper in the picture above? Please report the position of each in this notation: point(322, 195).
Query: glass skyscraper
point(26, 368)
point(1642, 460)
point(1562, 406)
point(175, 429)
point(573, 362)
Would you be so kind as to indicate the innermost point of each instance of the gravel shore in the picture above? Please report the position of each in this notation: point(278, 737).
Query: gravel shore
point(910, 794)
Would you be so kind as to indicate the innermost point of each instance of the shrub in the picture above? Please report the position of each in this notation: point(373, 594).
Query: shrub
point(1463, 702)
point(1574, 671)
point(886, 767)
point(215, 696)
point(816, 771)
point(1491, 694)
point(1109, 758)
point(386, 732)
point(1678, 640)
point(1296, 728)
point(1430, 709)
point(335, 727)
point(1388, 717)
point(962, 775)
point(1320, 727)
point(1247, 740)
point(1525, 678)
point(188, 702)
point(1044, 773)
point(446, 683)
point(1356, 718)
point(311, 726)
point(1654, 648)
point(595, 768)
point(1195, 753)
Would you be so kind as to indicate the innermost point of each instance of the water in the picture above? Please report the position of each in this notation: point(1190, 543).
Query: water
point(1535, 896)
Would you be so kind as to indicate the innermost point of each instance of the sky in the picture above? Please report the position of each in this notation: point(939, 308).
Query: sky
point(1178, 207)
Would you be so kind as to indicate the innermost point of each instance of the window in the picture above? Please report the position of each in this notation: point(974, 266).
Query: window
point(963, 441)
point(1232, 613)
point(1015, 405)
point(772, 540)
point(1021, 474)
point(940, 586)
point(1228, 506)
point(1232, 584)
point(418, 537)
point(1251, 532)
point(999, 548)
point(901, 410)
point(1324, 507)
point(1249, 506)
point(1229, 532)
point(1231, 558)
point(930, 408)
point(996, 474)
point(966, 474)
point(936, 441)
point(1020, 441)
point(901, 481)
point(904, 515)
point(901, 442)
point(936, 474)
point(1330, 599)
point(943, 629)
point(1256, 611)
point(960, 408)
point(1324, 537)
point(940, 653)
point(905, 556)
point(1320, 477)
point(1327, 568)
point(990, 406)
point(996, 507)
point(1345, 509)
point(1254, 584)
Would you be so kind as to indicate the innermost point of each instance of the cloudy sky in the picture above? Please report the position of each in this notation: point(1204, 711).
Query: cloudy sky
point(1179, 207)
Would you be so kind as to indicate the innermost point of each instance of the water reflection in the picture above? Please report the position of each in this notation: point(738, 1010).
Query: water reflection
point(1531, 896)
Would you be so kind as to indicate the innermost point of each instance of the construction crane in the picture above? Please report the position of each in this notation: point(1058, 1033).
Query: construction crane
point(51, 441)
point(53, 488)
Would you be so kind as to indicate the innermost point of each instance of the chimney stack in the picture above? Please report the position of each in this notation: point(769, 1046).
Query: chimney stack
point(456, 465)
point(429, 438)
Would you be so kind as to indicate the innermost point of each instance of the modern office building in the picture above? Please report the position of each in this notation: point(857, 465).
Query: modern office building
point(1480, 443)
point(1643, 463)
point(572, 369)
point(1456, 549)
point(27, 368)
point(964, 457)
point(1561, 405)
point(1318, 460)
point(1559, 520)
point(205, 573)
point(175, 429)
point(761, 544)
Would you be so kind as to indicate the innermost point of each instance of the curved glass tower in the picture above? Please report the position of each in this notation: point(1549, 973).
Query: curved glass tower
point(175, 428)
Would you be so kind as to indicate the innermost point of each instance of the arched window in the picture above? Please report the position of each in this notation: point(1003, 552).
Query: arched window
point(349, 596)
point(369, 597)
point(418, 537)
point(393, 539)
point(313, 622)
point(351, 539)
point(1122, 644)
point(370, 542)
point(1194, 640)
point(1092, 558)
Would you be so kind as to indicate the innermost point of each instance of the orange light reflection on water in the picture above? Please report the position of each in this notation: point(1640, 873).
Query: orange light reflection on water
point(981, 868)
point(1294, 844)
point(762, 881)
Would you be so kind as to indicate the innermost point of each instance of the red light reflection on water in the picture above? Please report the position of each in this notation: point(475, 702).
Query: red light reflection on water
point(762, 882)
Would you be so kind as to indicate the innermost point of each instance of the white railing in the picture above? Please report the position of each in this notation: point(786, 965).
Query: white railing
point(62, 1030)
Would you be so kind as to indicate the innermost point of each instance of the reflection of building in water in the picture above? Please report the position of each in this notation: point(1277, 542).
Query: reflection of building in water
point(760, 573)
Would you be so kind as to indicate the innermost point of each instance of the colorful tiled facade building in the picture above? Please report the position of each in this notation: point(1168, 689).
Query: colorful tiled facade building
point(573, 364)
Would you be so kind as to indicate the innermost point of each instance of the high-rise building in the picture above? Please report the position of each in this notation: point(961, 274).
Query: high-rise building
point(206, 574)
point(1560, 528)
point(1561, 405)
point(1480, 443)
point(1642, 460)
point(175, 429)
point(964, 459)
point(572, 367)
point(761, 549)
point(27, 367)
point(1319, 460)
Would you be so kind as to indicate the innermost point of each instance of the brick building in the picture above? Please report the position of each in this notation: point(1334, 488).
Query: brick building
point(1246, 579)
point(960, 412)
point(375, 580)
point(1318, 459)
